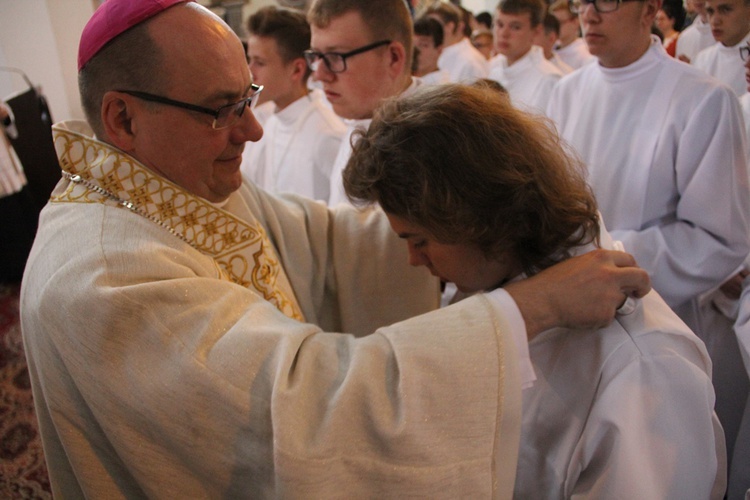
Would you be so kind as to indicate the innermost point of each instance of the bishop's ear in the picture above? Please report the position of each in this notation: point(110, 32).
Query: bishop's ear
point(117, 119)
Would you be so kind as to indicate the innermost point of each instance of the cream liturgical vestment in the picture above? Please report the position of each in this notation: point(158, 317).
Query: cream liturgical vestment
point(676, 196)
point(724, 64)
point(297, 150)
point(463, 62)
point(623, 412)
point(529, 81)
point(169, 359)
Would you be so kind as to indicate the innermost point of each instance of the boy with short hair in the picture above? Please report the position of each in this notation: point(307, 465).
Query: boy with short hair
point(302, 136)
point(524, 71)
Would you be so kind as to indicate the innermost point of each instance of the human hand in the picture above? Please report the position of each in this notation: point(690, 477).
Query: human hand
point(581, 292)
point(4, 113)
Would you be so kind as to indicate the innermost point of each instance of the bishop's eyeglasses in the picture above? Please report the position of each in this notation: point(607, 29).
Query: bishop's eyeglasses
point(336, 61)
point(601, 6)
point(745, 52)
point(224, 116)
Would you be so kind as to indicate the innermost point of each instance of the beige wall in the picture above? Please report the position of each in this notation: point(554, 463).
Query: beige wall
point(41, 38)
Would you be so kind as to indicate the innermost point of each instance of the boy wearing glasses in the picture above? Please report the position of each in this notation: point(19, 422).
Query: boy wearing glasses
point(302, 136)
point(730, 27)
point(665, 150)
point(361, 53)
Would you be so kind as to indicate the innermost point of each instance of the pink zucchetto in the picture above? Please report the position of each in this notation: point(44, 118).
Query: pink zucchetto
point(113, 18)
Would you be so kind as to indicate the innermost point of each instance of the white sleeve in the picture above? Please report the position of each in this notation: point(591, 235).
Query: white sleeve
point(647, 435)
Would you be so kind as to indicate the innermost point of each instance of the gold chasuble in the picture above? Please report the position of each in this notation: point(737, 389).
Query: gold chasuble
point(99, 173)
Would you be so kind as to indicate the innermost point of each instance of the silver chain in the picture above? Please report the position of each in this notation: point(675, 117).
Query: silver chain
point(77, 179)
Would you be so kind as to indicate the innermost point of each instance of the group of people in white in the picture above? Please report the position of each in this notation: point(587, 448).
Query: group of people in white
point(663, 139)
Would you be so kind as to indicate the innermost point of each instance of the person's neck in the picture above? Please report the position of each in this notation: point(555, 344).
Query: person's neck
point(630, 59)
point(283, 101)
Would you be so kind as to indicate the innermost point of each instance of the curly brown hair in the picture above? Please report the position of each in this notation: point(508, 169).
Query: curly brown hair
point(464, 164)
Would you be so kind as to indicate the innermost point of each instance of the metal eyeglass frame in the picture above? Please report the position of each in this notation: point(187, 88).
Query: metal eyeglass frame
point(218, 114)
point(313, 57)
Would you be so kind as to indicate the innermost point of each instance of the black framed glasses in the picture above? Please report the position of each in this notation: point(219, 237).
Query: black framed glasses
point(745, 52)
point(336, 61)
point(601, 6)
point(224, 116)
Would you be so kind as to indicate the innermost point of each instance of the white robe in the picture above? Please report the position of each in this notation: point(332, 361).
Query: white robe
point(463, 62)
point(676, 196)
point(156, 376)
point(694, 38)
point(297, 150)
point(622, 412)
point(529, 81)
point(576, 54)
point(436, 77)
point(724, 64)
point(560, 64)
point(337, 192)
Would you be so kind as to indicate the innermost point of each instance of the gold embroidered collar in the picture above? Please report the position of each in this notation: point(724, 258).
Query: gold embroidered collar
point(99, 173)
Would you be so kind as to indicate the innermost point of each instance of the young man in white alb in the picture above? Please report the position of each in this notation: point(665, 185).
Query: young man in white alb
point(524, 71)
point(695, 37)
point(571, 48)
point(428, 42)
point(730, 26)
point(302, 136)
point(665, 149)
point(547, 39)
point(361, 53)
point(460, 59)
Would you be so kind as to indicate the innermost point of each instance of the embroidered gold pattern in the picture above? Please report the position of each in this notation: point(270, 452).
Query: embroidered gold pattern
point(240, 248)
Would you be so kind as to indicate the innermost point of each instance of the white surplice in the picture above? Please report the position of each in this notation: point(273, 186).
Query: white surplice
point(575, 54)
point(724, 64)
point(623, 412)
point(159, 371)
point(529, 81)
point(297, 150)
point(560, 64)
point(694, 38)
point(463, 62)
point(675, 195)
point(437, 77)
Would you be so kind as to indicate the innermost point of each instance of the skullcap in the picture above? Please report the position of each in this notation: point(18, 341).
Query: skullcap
point(113, 18)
